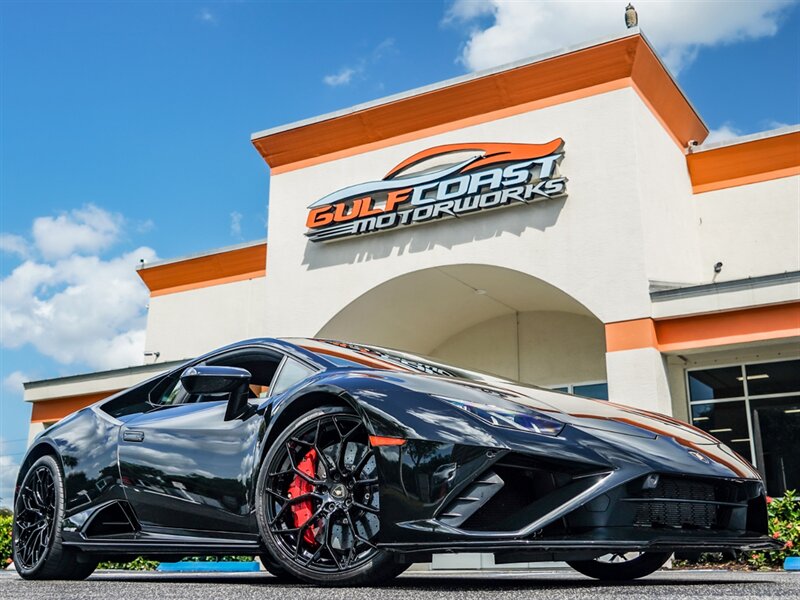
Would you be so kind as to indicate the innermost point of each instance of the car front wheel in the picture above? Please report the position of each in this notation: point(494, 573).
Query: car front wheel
point(318, 502)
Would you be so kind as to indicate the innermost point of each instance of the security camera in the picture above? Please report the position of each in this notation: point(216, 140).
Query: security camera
point(718, 267)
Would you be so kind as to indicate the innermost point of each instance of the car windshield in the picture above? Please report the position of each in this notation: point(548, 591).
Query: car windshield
point(349, 355)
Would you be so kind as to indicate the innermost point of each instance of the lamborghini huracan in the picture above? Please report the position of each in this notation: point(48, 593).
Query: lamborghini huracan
point(342, 464)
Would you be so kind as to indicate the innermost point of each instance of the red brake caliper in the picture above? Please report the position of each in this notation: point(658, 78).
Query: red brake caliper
point(302, 511)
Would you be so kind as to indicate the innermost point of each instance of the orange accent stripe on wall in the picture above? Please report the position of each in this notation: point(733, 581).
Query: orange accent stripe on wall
point(748, 162)
point(624, 62)
point(57, 408)
point(778, 321)
point(204, 271)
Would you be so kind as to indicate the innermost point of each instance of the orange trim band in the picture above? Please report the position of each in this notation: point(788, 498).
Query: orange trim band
point(746, 180)
point(627, 62)
point(454, 125)
point(57, 408)
point(209, 283)
point(377, 440)
point(778, 321)
point(628, 335)
point(204, 271)
point(748, 162)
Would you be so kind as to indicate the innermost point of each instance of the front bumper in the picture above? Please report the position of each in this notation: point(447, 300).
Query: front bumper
point(589, 498)
point(588, 546)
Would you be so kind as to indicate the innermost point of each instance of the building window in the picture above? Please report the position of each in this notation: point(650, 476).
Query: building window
point(597, 389)
point(755, 409)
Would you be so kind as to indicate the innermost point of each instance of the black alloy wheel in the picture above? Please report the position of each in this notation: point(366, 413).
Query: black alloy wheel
point(319, 502)
point(621, 566)
point(35, 517)
point(36, 533)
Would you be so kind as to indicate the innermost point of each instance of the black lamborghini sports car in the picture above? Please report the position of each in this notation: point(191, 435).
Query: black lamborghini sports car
point(341, 464)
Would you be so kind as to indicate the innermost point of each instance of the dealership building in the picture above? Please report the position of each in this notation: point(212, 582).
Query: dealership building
point(557, 220)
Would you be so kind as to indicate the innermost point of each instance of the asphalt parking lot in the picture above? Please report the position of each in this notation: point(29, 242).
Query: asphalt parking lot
point(673, 585)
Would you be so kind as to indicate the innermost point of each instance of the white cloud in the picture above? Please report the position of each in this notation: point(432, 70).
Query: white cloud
point(73, 306)
point(13, 382)
point(236, 224)
point(207, 16)
point(14, 244)
point(722, 134)
point(86, 230)
point(773, 124)
point(144, 226)
point(677, 29)
point(346, 74)
point(342, 77)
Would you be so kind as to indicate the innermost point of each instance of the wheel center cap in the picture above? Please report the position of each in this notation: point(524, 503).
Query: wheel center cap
point(339, 491)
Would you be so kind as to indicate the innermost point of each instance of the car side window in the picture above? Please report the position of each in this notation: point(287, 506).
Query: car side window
point(174, 394)
point(291, 372)
point(262, 365)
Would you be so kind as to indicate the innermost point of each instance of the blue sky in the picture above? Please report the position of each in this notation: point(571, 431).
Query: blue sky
point(124, 130)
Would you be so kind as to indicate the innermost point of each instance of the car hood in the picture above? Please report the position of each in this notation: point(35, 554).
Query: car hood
point(601, 415)
point(567, 408)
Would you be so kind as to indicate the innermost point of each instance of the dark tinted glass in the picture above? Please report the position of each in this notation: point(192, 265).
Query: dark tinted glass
point(711, 384)
point(291, 373)
point(726, 421)
point(776, 427)
point(773, 378)
point(592, 390)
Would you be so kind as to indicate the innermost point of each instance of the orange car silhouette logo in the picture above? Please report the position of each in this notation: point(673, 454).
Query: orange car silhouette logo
point(452, 180)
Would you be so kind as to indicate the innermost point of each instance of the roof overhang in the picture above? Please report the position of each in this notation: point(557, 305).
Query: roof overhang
point(225, 265)
point(751, 159)
point(601, 66)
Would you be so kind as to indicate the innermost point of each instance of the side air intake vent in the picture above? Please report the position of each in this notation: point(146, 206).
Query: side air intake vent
point(115, 518)
point(471, 499)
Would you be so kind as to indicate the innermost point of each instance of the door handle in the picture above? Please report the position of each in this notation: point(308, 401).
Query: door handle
point(133, 436)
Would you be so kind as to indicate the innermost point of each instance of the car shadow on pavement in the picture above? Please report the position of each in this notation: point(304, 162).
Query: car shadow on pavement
point(439, 582)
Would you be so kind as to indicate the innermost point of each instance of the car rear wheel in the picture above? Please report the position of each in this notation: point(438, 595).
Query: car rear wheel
point(37, 548)
point(622, 566)
point(318, 502)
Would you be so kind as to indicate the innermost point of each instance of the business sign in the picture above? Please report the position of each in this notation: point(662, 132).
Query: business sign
point(454, 180)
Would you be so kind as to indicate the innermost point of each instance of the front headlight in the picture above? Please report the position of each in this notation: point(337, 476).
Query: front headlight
point(512, 418)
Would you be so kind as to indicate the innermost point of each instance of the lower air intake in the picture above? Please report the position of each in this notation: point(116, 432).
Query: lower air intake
point(678, 503)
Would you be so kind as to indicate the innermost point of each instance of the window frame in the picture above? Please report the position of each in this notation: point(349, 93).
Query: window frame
point(571, 386)
point(281, 352)
point(746, 397)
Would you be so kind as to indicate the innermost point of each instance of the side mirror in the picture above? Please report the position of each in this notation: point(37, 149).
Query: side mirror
point(218, 380)
point(214, 380)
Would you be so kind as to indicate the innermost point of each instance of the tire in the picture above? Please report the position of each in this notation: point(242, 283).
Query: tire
point(330, 543)
point(37, 548)
point(277, 571)
point(624, 570)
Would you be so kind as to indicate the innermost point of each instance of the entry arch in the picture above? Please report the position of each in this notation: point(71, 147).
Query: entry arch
point(483, 317)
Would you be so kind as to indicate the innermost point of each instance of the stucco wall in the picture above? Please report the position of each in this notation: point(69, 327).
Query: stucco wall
point(186, 324)
point(544, 348)
point(752, 229)
point(671, 239)
point(590, 245)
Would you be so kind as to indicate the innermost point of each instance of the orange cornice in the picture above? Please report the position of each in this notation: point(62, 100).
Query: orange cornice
point(749, 162)
point(203, 271)
point(625, 62)
point(54, 409)
point(761, 323)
